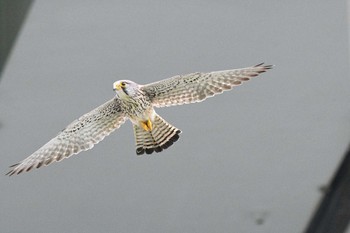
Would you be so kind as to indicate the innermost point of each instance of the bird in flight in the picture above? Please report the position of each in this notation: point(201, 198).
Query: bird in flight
point(137, 102)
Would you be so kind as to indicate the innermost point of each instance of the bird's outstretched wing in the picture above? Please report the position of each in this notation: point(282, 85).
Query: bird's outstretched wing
point(82, 134)
point(195, 87)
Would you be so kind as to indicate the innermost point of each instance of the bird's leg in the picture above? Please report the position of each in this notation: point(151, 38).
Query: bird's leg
point(146, 125)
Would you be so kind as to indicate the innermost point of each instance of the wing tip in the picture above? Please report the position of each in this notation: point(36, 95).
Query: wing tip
point(11, 172)
point(266, 67)
point(15, 170)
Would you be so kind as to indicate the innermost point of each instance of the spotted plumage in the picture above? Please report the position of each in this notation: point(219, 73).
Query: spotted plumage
point(136, 103)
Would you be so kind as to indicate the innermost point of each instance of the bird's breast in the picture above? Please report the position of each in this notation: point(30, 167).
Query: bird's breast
point(137, 108)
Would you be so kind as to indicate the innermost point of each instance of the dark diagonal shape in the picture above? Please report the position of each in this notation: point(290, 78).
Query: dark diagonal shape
point(333, 213)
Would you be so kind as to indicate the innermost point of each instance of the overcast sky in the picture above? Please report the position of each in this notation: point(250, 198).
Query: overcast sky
point(249, 160)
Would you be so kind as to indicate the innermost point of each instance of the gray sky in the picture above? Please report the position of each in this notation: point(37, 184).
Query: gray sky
point(250, 160)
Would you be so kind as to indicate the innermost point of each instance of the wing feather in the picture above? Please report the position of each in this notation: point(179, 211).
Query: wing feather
point(82, 134)
point(195, 87)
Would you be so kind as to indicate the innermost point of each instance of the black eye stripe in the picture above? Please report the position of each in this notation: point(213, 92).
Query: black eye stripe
point(125, 91)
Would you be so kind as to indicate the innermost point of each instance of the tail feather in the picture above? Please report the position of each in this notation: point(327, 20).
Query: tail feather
point(162, 136)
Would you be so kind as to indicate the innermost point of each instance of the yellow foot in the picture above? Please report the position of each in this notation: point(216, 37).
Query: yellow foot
point(146, 125)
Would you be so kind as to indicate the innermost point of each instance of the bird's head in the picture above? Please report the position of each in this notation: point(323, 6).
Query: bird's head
point(125, 88)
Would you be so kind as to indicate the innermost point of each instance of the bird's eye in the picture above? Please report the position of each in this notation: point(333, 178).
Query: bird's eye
point(122, 84)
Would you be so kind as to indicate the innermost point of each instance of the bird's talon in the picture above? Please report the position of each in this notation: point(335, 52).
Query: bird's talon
point(146, 125)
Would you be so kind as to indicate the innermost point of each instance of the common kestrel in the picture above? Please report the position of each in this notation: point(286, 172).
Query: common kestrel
point(137, 102)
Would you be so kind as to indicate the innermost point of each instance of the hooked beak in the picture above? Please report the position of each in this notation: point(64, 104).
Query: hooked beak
point(117, 87)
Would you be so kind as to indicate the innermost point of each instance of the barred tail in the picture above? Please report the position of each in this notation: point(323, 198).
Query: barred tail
point(160, 137)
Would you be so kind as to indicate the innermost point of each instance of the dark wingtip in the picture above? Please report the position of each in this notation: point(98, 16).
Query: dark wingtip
point(260, 64)
point(12, 171)
point(267, 67)
point(14, 165)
